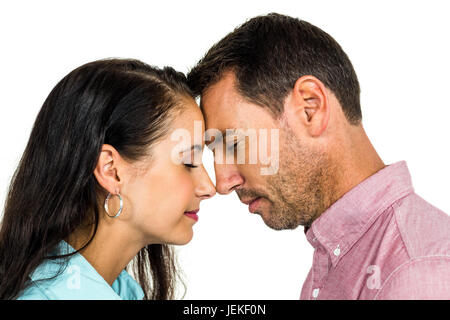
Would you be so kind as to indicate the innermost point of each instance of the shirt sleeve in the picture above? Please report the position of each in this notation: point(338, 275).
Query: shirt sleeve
point(425, 278)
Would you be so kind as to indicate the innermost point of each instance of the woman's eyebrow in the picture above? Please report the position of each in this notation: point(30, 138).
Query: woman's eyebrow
point(197, 147)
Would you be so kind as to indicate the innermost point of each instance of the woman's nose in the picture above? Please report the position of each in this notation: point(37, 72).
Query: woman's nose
point(205, 189)
point(208, 194)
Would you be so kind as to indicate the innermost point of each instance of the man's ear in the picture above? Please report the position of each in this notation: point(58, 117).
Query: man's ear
point(107, 172)
point(308, 104)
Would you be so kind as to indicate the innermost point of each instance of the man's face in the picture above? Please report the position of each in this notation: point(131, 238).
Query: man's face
point(298, 191)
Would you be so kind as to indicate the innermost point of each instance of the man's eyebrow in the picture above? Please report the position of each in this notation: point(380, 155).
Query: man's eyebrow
point(224, 133)
point(232, 132)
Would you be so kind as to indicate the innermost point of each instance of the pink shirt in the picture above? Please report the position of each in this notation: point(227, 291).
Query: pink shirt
point(380, 241)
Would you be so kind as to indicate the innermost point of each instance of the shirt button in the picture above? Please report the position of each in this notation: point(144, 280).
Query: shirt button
point(315, 293)
point(337, 251)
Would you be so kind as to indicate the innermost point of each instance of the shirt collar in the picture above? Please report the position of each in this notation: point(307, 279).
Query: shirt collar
point(346, 220)
point(124, 287)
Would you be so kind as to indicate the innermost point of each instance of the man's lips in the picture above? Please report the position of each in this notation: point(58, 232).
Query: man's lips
point(252, 203)
point(192, 214)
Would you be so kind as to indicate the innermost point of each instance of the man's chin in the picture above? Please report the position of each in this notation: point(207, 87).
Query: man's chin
point(277, 223)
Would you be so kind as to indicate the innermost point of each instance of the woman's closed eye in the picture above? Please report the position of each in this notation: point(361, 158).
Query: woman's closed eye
point(194, 155)
point(190, 165)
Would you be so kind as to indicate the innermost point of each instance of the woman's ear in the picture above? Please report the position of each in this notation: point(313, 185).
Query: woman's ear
point(309, 105)
point(107, 172)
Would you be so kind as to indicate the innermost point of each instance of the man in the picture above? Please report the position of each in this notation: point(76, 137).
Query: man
point(374, 238)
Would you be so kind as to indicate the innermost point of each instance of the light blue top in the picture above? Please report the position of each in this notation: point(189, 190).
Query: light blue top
point(79, 281)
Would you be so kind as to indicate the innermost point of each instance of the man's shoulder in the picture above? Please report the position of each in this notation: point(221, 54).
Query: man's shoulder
point(424, 229)
point(417, 236)
point(423, 278)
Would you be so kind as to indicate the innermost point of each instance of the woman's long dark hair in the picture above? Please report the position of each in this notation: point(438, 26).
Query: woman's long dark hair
point(125, 103)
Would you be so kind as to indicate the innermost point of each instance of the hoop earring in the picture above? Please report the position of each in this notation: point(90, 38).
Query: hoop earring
point(120, 208)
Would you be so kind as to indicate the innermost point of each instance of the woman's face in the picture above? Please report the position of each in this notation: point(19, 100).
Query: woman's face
point(162, 189)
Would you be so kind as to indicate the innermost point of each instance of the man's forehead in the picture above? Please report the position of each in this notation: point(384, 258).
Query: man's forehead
point(222, 108)
point(223, 91)
point(224, 120)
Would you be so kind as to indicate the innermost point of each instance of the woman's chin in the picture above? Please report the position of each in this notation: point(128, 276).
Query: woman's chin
point(186, 239)
point(181, 239)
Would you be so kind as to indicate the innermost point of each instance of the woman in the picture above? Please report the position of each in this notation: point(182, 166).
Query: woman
point(98, 187)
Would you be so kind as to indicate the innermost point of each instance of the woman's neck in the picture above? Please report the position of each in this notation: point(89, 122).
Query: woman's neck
point(111, 249)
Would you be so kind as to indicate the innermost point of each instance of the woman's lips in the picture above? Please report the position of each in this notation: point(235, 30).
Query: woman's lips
point(192, 214)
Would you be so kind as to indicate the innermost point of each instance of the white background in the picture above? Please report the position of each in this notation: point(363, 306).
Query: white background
point(400, 51)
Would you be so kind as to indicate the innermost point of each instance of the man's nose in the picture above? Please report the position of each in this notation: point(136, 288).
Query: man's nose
point(228, 178)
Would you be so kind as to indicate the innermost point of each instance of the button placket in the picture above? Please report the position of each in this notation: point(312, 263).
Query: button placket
point(337, 251)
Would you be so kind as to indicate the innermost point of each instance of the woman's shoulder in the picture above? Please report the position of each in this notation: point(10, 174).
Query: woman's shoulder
point(55, 279)
point(51, 281)
point(33, 292)
point(74, 278)
point(47, 282)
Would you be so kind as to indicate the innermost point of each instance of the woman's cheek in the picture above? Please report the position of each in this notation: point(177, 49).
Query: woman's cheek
point(185, 191)
point(179, 194)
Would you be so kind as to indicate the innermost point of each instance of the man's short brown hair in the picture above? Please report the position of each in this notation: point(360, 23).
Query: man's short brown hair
point(269, 53)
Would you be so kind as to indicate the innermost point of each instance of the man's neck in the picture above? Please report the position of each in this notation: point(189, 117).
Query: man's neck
point(359, 161)
point(355, 160)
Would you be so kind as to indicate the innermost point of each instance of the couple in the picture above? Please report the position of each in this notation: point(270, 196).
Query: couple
point(102, 182)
